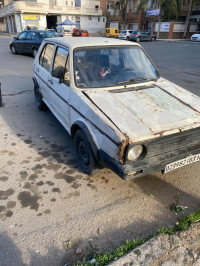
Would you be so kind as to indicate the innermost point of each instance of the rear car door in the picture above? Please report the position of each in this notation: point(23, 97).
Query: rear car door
point(19, 42)
point(59, 82)
point(42, 69)
point(148, 36)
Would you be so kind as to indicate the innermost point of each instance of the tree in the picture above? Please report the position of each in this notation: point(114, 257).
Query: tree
point(169, 9)
point(187, 18)
point(122, 4)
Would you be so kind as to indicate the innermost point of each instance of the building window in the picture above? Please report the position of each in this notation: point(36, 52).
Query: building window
point(53, 3)
point(72, 3)
point(89, 18)
point(72, 18)
point(1, 21)
point(66, 3)
point(97, 7)
point(98, 19)
point(103, 19)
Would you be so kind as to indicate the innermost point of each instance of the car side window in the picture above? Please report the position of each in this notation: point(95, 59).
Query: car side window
point(31, 36)
point(147, 32)
point(61, 66)
point(46, 56)
point(22, 36)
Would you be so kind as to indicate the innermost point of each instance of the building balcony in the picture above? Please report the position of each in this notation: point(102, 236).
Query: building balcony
point(45, 8)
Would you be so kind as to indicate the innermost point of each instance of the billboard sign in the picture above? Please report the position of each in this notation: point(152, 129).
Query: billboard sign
point(153, 12)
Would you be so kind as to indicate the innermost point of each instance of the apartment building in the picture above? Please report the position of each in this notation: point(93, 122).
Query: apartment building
point(18, 14)
point(140, 20)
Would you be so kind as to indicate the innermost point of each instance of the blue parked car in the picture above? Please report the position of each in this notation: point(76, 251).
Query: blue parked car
point(29, 41)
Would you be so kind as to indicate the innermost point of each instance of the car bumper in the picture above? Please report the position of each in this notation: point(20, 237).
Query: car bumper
point(163, 151)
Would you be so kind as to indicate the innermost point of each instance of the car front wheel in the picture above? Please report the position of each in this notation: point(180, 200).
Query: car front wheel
point(13, 50)
point(84, 153)
point(34, 52)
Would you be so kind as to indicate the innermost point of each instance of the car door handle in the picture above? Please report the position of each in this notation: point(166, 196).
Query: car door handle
point(50, 80)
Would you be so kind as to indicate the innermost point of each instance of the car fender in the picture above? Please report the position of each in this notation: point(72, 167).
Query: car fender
point(81, 125)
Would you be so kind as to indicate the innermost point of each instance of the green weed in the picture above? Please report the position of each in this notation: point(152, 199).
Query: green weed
point(105, 258)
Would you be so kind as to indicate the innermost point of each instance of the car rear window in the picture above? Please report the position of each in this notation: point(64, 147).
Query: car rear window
point(84, 31)
point(124, 31)
point(135, 32)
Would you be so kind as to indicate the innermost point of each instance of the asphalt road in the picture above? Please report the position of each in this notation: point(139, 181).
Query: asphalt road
point(48, 208)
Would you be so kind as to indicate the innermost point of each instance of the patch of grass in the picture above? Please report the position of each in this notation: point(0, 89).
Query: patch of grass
point(105, 258)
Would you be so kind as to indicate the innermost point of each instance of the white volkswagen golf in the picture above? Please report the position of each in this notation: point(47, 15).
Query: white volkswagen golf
point(111, 99)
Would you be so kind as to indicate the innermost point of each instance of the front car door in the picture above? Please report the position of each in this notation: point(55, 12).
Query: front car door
point(59, 82)
point(42, 69)
point(30, 38)
point(19, 42)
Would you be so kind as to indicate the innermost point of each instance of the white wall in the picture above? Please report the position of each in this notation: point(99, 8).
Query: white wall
point(93, 25)
point(18, 22)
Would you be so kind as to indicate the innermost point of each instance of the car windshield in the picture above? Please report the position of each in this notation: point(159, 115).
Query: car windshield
point(47, 34)
point(124, 31)
point(112, 66)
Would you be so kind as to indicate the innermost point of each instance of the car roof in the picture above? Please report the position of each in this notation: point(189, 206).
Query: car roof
point(35, 30)
point(74, 42)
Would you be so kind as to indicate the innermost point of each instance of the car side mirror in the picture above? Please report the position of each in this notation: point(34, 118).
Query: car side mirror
point(15, 38)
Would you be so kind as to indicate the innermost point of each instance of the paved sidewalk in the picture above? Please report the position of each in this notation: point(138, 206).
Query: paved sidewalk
point(182, 248)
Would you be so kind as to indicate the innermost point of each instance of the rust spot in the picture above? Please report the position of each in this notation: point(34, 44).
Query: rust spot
point(122, 146)
point(155, 109)
point(179, 90)
point(141, 120)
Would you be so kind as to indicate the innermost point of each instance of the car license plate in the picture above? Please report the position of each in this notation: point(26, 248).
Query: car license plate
point(183, 162)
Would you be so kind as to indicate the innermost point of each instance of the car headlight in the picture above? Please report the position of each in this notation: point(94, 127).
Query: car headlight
point(135, 152)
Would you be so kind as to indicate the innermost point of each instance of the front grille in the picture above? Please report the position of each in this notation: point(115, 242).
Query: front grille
point(164, 150)
point(173, 142)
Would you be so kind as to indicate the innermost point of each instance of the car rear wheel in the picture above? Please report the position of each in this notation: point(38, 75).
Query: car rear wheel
point(39, 102)
point(127, 38)
point(138, 39)
point(13, 50)
point(84, 154)
point(34, 51)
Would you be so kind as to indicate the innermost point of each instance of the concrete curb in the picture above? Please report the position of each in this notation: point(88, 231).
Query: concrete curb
point(182, 248)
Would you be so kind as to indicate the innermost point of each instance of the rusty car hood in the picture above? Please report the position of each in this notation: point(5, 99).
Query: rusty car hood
point(148, 111)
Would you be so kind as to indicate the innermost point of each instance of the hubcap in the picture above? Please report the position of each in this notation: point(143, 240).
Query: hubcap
point(13, 49)
point(83, 153)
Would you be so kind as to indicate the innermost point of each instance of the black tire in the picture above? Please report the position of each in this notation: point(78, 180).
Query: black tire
point(40, 104)
point(84, 154)
point(34, 52)
point(13, 50)
point(138, 39)
point(127, 38)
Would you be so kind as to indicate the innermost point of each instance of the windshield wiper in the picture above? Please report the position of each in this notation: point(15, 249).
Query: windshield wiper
point(136, 80)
